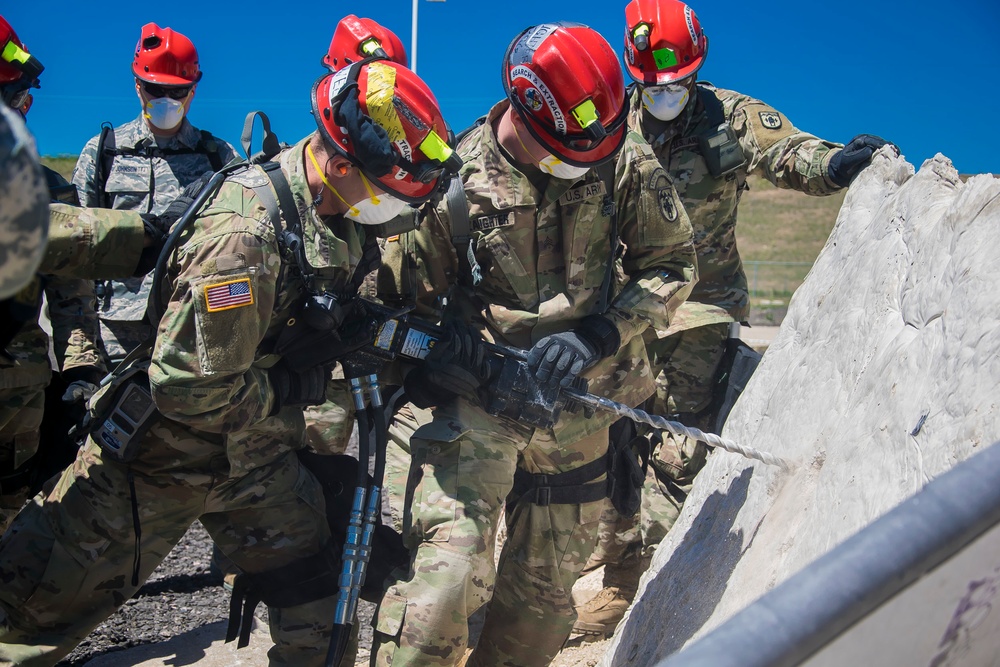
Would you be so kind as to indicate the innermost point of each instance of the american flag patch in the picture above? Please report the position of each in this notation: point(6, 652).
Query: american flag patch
point(232, 294)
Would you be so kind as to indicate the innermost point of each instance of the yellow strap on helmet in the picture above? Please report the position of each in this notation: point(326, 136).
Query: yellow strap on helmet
point(378, 100)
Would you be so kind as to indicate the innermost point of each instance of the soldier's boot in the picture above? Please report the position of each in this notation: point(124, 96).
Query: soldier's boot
point(599, 616)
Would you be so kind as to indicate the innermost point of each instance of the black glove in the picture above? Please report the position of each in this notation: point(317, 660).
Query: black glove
point(455, 366)
point(855, 156)
point(81, 383)
point(557, 359)
point(303, 387)
point(157, 228)
point(303, 345)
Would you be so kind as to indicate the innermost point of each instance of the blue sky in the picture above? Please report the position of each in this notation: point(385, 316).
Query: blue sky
point(920, 74)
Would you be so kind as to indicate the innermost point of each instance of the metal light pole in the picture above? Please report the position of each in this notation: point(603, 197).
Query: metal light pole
point(413, 36)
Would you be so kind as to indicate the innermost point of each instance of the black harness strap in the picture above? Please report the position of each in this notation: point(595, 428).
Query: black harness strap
point(107, 151)
point(105, 157)
point(564, 488)
point(305, 580)
point(607, 173)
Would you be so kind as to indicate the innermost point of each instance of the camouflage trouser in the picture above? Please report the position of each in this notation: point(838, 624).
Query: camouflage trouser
point(67, 561)
point(20, 420)
point(397, 459)
point(688, 360)
point(462, 469)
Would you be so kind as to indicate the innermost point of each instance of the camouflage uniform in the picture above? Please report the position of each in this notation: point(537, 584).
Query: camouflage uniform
point(23, 195)
point(92, 243)
point(689, 351)
point(25, 371)
point(215, 452)
point(543, 255)
point(145, 185)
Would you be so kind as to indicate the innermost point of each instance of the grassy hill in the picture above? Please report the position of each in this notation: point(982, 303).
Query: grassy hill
point(780, 234)
point(61, 163)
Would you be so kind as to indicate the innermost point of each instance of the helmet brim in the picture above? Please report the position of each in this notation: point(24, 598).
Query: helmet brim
point(606, 149)
point(662, 78)
point(165, 79)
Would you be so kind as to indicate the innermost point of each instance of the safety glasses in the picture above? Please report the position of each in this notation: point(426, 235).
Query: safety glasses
point(16, 99)
point(173, 92)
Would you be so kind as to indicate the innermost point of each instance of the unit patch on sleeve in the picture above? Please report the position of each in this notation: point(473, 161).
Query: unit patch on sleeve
point(667, 204)
point(770, 119)
point(227, 295)
point(487, 222)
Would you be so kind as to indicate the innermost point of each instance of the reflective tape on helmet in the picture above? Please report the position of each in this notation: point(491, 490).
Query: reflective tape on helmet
point(379, 100)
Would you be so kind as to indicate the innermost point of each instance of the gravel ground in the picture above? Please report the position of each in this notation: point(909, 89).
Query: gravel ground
point(182, 596)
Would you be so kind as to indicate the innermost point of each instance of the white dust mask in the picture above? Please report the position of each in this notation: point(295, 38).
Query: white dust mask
point(375, 209)
point(164, 112)
point(665, 102)
point(550, 164)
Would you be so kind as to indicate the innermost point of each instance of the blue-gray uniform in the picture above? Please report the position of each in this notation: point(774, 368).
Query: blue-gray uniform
point(145, 174)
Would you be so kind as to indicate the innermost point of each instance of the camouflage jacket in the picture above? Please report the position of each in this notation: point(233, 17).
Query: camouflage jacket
point(145, 184)
point(543, 255)
point(23, 196)
point(773, 148)
point(71, 315)
point(229, 293)
point(92, 243)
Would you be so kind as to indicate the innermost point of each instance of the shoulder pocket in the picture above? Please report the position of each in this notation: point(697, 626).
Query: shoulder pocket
point(661, 217)
point(228, 324)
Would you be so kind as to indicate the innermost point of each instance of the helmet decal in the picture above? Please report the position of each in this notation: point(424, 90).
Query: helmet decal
point(522, 72)
point(689, 19)
point(538, 35)
point(533, 98)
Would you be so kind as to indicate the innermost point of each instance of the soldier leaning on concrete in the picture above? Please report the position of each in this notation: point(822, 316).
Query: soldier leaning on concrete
point(145, 164)
point(542, 177)
point(220, 444)
point(709, 140)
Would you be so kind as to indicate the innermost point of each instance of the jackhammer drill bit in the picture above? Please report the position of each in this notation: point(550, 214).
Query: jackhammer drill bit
point(656, 421)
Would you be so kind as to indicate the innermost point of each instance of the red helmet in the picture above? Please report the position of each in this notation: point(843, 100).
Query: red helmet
point(566, 84)
point(356, 39)
point(165, 57)
point(385, 120)
point(19, 70)
point(664, 41)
